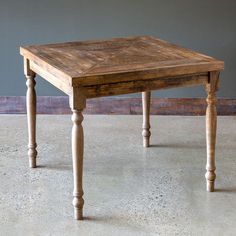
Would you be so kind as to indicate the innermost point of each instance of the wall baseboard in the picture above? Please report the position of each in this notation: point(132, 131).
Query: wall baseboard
point(118, 106)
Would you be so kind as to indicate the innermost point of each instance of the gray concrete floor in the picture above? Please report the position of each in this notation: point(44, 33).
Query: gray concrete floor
point(129, 190)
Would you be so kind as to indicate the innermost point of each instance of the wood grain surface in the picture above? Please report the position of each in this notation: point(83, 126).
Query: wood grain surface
point(115, 60)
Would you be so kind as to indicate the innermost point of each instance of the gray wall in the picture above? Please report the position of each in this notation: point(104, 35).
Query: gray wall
point(208, 26)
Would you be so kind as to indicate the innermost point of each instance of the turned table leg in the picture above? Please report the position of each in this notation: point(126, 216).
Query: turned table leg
point(77, 104)
point(146, 96)
point(31, 114)
point(211, 123)
point(77, 157)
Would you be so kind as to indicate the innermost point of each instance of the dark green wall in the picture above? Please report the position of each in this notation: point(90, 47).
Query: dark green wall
point(208, 26)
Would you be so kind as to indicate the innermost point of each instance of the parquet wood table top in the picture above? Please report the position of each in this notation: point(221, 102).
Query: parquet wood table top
point(119, 59)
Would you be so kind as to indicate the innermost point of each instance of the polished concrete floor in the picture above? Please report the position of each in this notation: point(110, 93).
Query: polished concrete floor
point(129, 190)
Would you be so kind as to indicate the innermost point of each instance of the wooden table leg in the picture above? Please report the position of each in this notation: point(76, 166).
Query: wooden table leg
point(77, 104)
point(211, 123)
point(146, 97)
point(31, 114)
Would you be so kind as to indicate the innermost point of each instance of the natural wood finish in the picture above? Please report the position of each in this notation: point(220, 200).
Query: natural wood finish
point(55, 80)
point(117, 60)
point(118, 66)
point(77, 104)
point(31, 113)
point(143, 85)
point(119, 106)
point(211, 122)
point(146, 96)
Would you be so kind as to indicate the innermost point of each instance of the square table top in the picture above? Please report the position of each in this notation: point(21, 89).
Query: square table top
point(118, 59)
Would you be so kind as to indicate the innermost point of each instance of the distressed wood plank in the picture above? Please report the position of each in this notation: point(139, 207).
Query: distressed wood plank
point(144, 85)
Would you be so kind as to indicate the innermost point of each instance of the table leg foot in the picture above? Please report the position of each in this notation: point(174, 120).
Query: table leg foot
point(32, 163)
point(32, 153)
point(146, 96)
point(78, 208)
point(210, 186)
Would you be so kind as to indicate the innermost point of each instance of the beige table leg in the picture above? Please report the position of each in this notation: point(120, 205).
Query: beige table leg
point(146, 97)
point(211, 123)
point(31, 113)
point(77, 104)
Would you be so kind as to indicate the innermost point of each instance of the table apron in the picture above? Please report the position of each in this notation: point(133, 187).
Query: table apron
point(120, 88)
point(57, 81)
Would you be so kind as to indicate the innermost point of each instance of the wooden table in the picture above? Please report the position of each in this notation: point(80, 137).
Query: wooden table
point(91, 69)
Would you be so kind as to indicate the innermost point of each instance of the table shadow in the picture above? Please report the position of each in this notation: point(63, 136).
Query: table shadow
point(179, 145)
point(226, 190)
